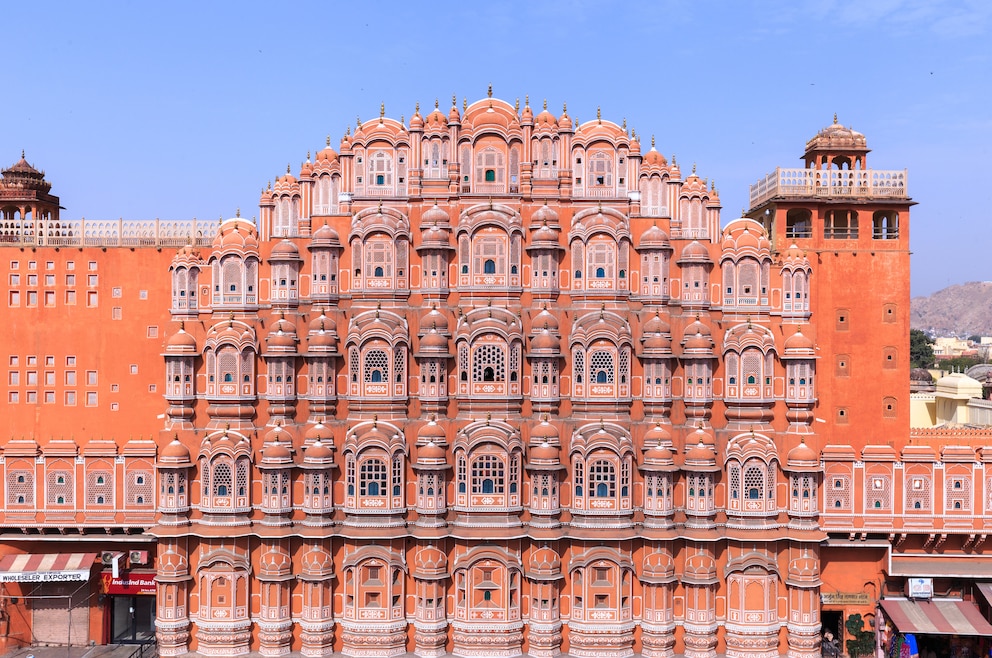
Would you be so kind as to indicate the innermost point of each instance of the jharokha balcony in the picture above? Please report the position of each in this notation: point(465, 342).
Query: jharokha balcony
point(845, 183)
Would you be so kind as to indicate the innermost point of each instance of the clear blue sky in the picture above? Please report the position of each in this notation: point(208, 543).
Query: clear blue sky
point(178, 109)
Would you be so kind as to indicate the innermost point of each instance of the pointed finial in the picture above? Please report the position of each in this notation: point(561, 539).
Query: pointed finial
point(599, 115)
point(545, 103)
point(308, 156)
point(416, 108)
point(490, 90)
point(382, 111)
point(652, 141)
point(328, 140)
point(358, 122)
point(564, 109)
point(270, 185)
point(454, 100)
point(237, 213)
point(436, 103)
point(402, 119)
point(693, 168)
point(287, 168)
point(464, 104)
point(22, 150)
point(835, 117)
point(526, 100)
point(673, 160)
point(516, 105)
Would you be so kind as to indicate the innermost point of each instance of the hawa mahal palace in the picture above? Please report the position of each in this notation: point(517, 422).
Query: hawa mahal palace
point(487, 383)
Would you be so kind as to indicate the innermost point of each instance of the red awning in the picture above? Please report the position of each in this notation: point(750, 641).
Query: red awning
point(936, 617)
point(46, 567)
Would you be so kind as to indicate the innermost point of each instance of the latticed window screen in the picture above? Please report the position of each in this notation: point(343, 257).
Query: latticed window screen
point(918, 492)
point(602, 259)
point(222, 479)
point(602, 479)
point(381, 169)
point(99, 488)
point(398, 475)
point(624, 364)
point(490, 254)
point(246, 363)
point(353, 363)
point(751, 367)
point(735, 481)
point(878, 492)
point(514, 360)
point(60, 488)
point(601, 367)
point(601, 168)
point(376, 366)
point(372, 479)
point(958, 493)
point(20, 488)
point(747, 275)
point(489, 363)
point(242, 469)
point(754, 483)
point(489, 160)
point(399, 363)
point(488, 475)
point(232, 275)
point(838, 492)
point(205, 477)
point(379, 258)
point(227, 365)
point(578, 365)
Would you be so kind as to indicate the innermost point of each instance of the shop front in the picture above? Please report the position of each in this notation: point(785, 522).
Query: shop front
point(129, 598)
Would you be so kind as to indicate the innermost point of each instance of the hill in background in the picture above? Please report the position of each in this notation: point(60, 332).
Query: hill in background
point(961, 310)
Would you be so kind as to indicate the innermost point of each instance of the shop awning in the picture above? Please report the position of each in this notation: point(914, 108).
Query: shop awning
point(939, 566)
point(936, 617)
point(46, 567)
point(986, 590)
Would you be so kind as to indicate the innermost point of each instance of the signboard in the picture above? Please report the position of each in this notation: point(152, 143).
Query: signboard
point(919, 588)
point(128, 583)
point(844, 598)
point(70, 575)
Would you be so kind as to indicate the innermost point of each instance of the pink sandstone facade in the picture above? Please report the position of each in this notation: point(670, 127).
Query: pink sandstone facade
point(484, 383)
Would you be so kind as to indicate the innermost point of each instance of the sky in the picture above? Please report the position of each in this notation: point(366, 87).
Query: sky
point(187, 109)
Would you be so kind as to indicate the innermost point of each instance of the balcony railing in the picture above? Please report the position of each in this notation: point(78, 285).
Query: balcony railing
point(110, 233)
point(850, 183)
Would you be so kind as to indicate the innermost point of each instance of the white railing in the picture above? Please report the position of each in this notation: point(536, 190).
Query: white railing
point(111, 233)
point(852, 183)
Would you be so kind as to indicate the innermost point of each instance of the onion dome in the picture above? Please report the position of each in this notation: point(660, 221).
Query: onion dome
point(287, 178)
point(804, 567)
point(545, 119)
point(546, 319)
point(653, 237)
point(431, 454)
point(434, 341)
point(327, 154)
point(282, 336)
point(430, 562)
point(527, 114)
point(325, 236)
point(435, 215)
point(276, 454)
point(658, 567)
point(653, 157)
point(656, 336)
point(435, 319)
point(319, 432)
point(658, 457)
point(320, 453)
point(803, 458)
point(544, 432)
point(181, 342)
point(657, 436)
point(174, 454)
point(695, 251)
point(431, 432)
point(236, 234)
point(544, 457)
point(700, 458)
point(435, 236)
point(453, 115)
point(545, 342)
point(317, 562)
point(565, 122)
point(545, 237)
point(284, 250)
point(544, 562)
point(545, 215)
point(699, 343)
point(416, 121)
point(635, 145)
point(322, 335)
point(700, 435)
point(798, 345)
point(346, 142)
point(306, 169)
point(700, 569)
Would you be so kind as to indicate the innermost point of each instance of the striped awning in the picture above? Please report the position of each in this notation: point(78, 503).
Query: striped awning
point(46, 567)
point(936, 617)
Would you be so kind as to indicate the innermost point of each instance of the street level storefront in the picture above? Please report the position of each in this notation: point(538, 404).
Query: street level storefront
point(45, 598)
point(937, 628)
point(129, 598)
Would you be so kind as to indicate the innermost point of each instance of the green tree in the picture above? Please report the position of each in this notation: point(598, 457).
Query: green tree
point(861, 642)
point(920, 349)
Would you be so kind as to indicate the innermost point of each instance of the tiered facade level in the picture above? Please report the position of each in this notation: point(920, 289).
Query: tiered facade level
point(494, 383)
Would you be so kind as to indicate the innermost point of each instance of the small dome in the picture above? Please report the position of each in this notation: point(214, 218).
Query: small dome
point(416, 121)
point(325, 236)
point(545, 319)
point(319, 432)
point(804, 566)
point(658, 565)
point(658, 457)
point(924, 375)
point(327, 154)
point(434, 215)
point(700, 567)
point(654, 159)
point(802, 456)
point(434, 341)
point(318, 453)
point(285, 250)
point(545, 215)
point(695, 251)
point(322, 323)
point(431, 432)
point(799, 344)
point(657, 435)
point(545, 342)
point(653, 237)
point(544, 432)
point(276, 454)
point(431, 453)
point(174, 453)
point(545, 562)
point(181, 342)
point(545, 235)
point(700, 458)
point(236, 235)
point(434, 319)
point(430, 561)
point(657, 325)
point(544, 453)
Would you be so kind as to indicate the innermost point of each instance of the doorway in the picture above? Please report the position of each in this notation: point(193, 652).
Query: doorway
point(133, 619)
